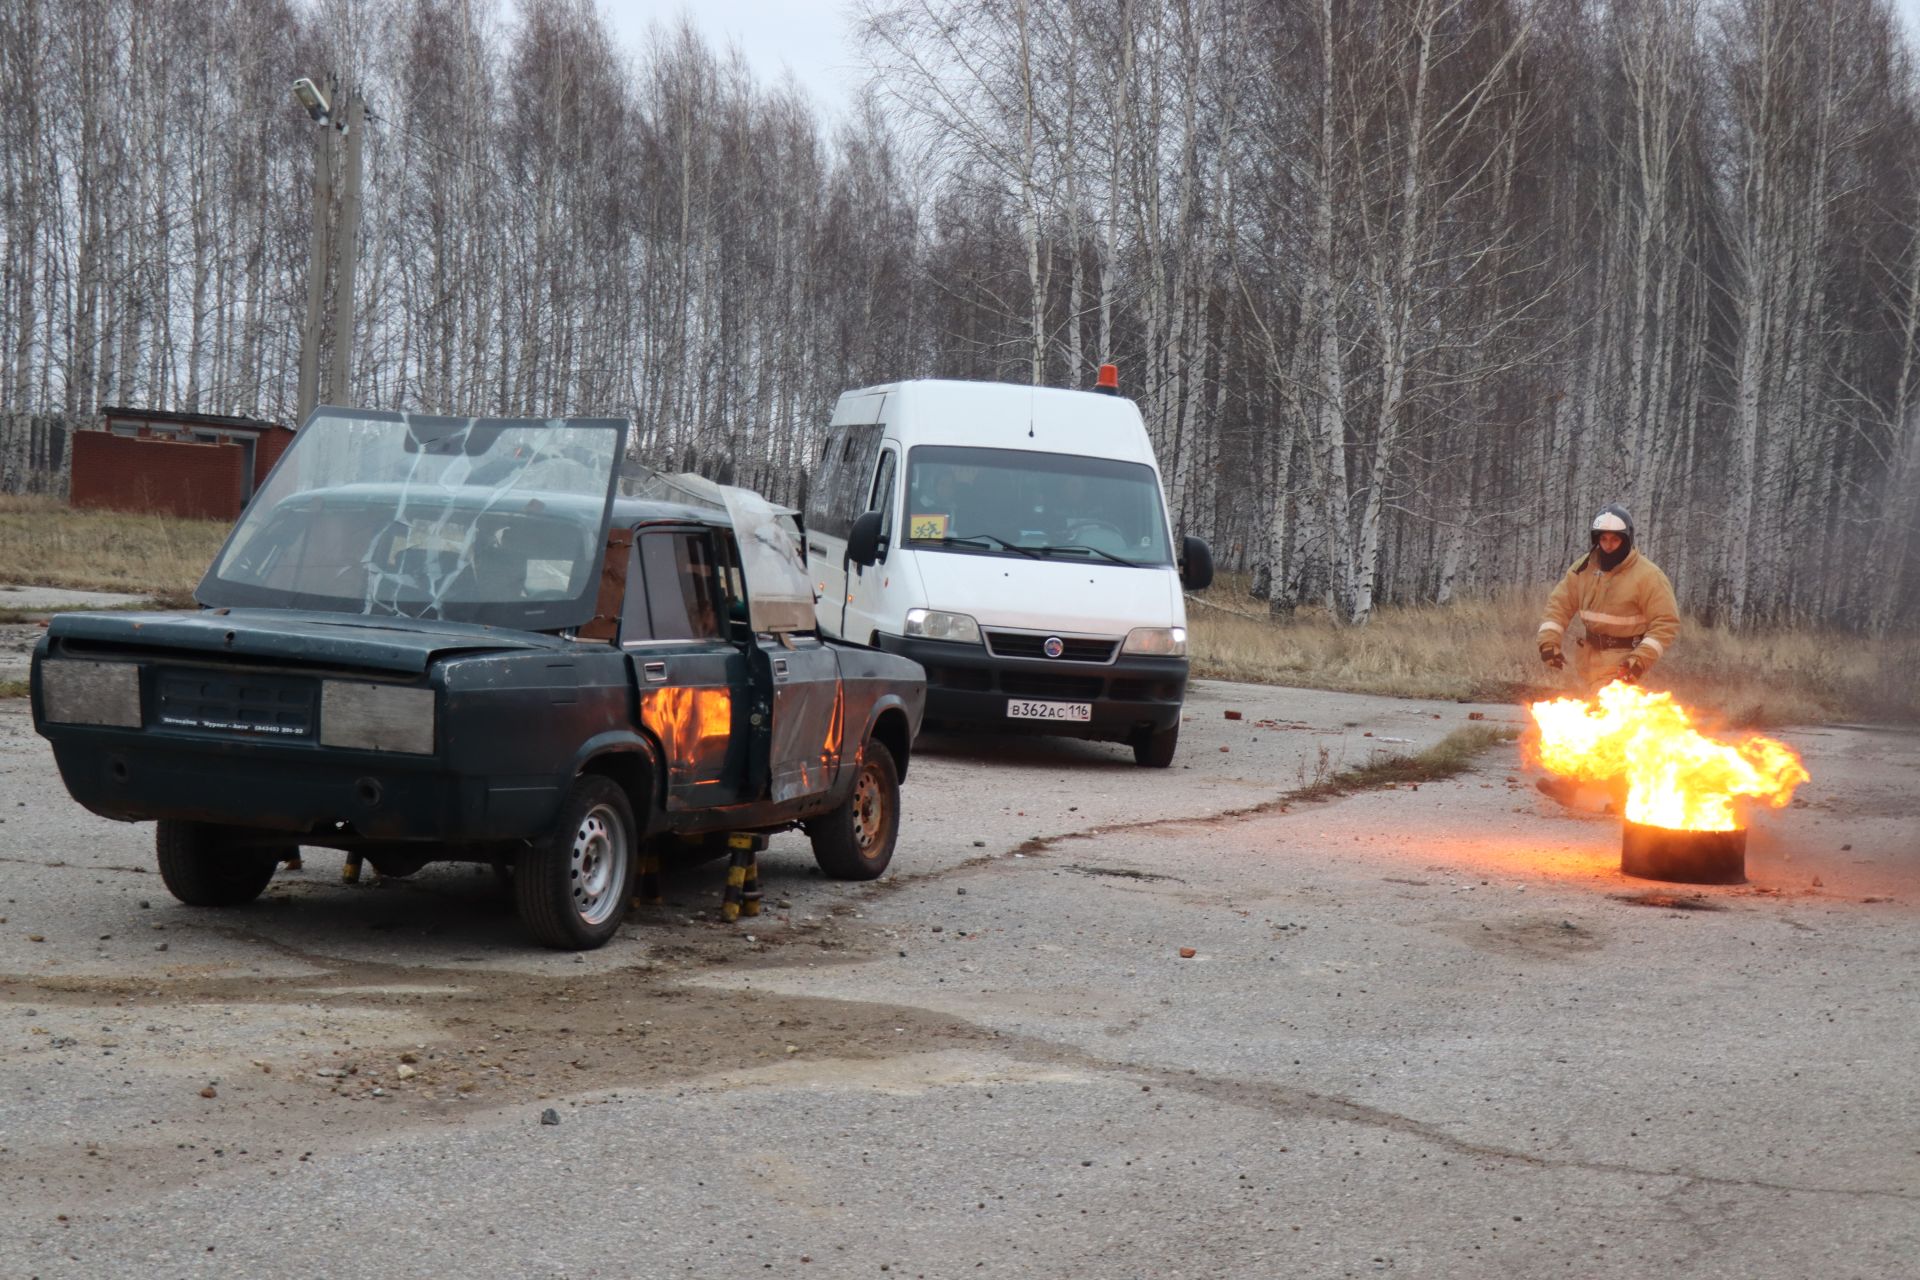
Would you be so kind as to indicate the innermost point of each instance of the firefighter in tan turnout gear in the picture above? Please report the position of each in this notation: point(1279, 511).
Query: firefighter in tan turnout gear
point(1624, 603)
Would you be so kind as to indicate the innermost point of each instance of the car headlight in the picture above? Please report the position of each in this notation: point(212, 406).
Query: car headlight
point(931, 624)
point(1161, 642)
point(105, 693)
point(376, 717)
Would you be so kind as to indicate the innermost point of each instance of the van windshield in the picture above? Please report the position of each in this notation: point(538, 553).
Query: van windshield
point(1010, 502)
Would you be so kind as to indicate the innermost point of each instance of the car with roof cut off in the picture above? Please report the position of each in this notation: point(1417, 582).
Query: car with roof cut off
point(457, 639)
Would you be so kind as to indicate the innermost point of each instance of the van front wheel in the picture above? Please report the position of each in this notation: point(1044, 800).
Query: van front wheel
point(1153, 749)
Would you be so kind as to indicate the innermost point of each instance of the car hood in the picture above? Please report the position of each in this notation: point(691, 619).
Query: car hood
point(1092, 598)
point(324, 639)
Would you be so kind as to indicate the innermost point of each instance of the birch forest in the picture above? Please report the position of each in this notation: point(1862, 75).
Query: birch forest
point(1406, 289)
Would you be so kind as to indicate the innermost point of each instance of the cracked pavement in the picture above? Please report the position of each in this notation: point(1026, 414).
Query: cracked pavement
point(1423, 1031)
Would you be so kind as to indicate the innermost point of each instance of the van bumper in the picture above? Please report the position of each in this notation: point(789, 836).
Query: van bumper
point(967, 686)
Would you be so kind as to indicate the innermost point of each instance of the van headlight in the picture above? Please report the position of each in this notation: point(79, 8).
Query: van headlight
point(932, 624)
point(1161, 642)
point(376, 717)
point(104, 693)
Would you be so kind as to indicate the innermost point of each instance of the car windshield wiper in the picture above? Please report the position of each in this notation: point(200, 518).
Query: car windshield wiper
point(1092, 551)
point(975, 539)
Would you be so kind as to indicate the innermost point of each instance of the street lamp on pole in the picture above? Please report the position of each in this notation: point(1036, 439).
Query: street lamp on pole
point(309, 96)
point(346, 114)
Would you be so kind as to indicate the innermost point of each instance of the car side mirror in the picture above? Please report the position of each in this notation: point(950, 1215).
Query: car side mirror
point(863, 540)
point(1196, 564)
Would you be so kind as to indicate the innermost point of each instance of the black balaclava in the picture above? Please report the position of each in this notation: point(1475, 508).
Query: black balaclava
point(1613, 519)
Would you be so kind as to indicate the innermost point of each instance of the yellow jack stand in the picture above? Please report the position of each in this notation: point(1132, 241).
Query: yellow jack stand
point(648, 894)
point(742, 897)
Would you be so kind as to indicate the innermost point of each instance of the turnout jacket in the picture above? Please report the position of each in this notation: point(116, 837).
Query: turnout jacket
point(1635, 599)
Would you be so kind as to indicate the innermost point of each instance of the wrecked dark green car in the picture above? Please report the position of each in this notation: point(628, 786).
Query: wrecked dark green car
point(437, 638)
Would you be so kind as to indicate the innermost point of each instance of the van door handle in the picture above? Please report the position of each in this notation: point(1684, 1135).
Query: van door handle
point(816, 549)
point(779, 666)
point(656, 672)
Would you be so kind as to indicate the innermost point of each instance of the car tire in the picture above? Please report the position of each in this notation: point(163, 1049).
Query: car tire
point(574, 884)
point(203, 866)
point(855, 840)
point(1154, 749)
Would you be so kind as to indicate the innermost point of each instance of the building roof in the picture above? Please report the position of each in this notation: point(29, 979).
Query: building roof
point(226, 421)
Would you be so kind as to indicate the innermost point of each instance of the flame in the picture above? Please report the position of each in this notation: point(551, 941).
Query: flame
point(1676, 776)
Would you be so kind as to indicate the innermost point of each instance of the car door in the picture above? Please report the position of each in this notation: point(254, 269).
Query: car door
point(804, 736)
point(694, 684)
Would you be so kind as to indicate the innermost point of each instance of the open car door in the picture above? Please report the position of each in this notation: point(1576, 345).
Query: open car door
point(803, 733)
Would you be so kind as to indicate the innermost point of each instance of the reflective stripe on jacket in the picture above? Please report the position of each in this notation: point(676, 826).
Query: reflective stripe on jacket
point(1634, 599)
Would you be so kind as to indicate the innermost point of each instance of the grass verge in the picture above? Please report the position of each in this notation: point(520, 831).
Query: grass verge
point(13, 689)
point(45, 543)
point(1453, 754)
point(1483, 649)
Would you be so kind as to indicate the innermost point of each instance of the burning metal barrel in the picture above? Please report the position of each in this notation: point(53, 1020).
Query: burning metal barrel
point(1683, 857)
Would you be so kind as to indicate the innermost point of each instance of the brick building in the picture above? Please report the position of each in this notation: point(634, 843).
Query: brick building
point(201, 465)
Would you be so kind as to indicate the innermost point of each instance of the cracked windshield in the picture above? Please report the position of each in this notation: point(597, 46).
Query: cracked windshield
point(491, 520)
point(1042, 505)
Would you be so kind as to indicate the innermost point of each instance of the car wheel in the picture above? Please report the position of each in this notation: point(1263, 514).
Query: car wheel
point(572, 886)
point(855, 840)
point(1154, 750)
point(204, 866)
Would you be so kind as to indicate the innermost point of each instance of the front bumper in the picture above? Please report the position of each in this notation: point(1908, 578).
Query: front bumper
point(967, 686)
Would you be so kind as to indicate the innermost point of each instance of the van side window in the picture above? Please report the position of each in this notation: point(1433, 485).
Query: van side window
point(882, 498)
point(686, 599)
point(840, 488)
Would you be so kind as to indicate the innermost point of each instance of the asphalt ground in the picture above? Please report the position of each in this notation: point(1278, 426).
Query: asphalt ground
point(1423, 1031)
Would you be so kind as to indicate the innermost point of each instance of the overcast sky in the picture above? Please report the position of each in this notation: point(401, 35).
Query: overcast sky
point(809, 37)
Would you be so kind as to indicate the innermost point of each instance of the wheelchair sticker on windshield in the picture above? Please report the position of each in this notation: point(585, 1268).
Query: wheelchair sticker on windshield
point(926, 528)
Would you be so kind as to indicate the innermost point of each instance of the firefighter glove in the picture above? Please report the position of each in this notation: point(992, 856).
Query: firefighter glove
point(1551, 655)
point(1632, 669)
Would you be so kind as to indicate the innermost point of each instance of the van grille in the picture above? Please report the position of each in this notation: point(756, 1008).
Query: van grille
point(235, 703)
point(1021, 644)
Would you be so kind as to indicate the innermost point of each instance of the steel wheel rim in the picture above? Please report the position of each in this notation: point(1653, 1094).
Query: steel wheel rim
point(869, 810)
point(597, 865)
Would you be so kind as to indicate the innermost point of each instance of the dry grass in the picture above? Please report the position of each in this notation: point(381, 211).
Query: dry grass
point(1453, 754)
point(1483, 650)
point(44, 543)
point(14, 689)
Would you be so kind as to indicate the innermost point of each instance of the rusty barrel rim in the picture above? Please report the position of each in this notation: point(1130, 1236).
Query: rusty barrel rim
point(1683, 857)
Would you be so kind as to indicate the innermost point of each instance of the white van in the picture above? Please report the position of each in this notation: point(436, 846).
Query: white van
point(1014, 541)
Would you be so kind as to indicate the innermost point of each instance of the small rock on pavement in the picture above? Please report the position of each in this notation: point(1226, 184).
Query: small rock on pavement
point(549, 1116)
point(960, 893)
point(1188, 953)
point(209, 1092)
point(1231, 715)
point(159, 946)
point(405, 1072)
point(1476, 715)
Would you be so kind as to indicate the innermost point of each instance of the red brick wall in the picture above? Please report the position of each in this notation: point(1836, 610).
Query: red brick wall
point(168, 477)
point(267, 452)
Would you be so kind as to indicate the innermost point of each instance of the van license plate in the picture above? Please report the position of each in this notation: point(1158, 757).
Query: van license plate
point(1019, 709)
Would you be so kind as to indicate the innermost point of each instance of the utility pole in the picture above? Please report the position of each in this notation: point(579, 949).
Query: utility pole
point(340, 367)
point(321, 250)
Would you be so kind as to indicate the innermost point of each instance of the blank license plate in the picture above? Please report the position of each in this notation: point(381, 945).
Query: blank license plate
point(1019, 709)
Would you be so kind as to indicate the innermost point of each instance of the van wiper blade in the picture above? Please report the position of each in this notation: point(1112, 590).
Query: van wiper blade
point(975, 539)
point(1092, 551)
